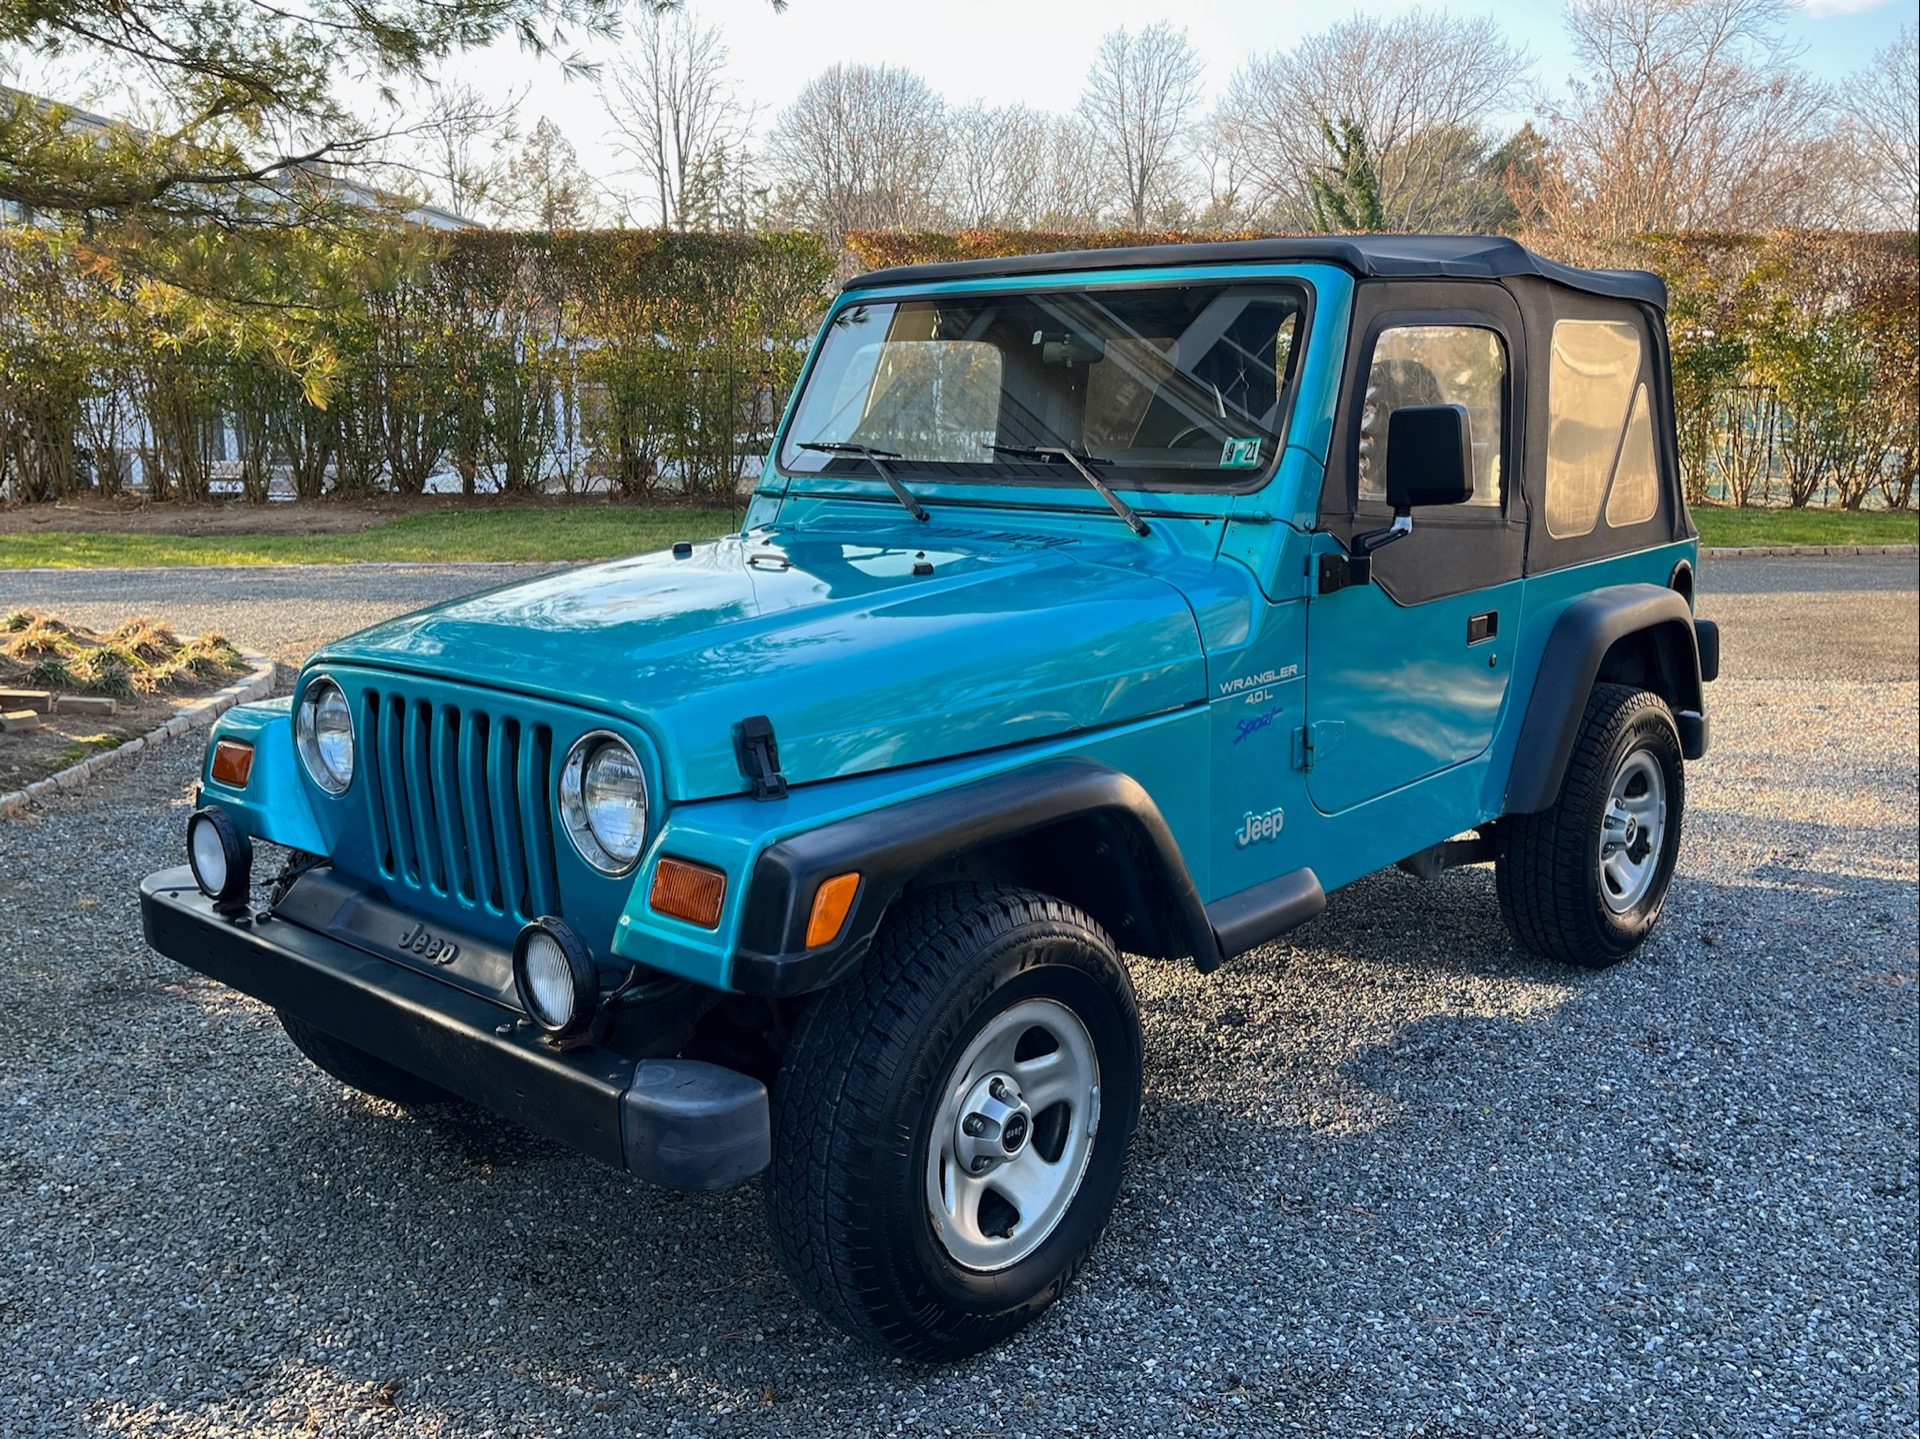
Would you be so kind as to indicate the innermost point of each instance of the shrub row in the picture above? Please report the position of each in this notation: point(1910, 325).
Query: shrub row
point(648, 361)
point(641, 360)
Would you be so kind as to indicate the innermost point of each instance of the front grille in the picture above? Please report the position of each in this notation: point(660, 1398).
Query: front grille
point(459, 800)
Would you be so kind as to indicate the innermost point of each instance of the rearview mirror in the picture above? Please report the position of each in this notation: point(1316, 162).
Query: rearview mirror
point(1429, 457)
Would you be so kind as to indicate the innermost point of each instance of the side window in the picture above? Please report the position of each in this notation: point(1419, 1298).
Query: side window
point(1436, 365)
point(1636, 481)
point(1600, 451)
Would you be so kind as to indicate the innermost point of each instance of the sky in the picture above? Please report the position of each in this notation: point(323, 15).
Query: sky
point(1037, 51)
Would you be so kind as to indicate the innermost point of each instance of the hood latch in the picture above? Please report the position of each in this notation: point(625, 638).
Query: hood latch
point(759, 755)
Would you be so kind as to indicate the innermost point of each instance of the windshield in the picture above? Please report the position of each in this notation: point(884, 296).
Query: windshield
point(1163, 386)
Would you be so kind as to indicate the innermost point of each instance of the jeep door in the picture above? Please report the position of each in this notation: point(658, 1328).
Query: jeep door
point(1408, 674)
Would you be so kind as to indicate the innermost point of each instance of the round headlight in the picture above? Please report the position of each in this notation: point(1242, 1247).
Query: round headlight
point(555, 977)
point(323, 732)
point(603, 801)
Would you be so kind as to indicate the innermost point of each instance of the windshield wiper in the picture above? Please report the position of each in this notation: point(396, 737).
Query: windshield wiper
point(1079, 462)
point(876, 458)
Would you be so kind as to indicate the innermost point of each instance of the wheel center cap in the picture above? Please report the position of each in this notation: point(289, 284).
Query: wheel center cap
point(1013, 1133)
point(995, 1124)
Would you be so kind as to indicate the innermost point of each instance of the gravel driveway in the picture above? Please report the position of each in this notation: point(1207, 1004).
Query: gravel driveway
point(1392, 1178)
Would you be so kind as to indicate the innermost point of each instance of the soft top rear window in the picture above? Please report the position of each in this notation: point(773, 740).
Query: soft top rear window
point(1160, 386)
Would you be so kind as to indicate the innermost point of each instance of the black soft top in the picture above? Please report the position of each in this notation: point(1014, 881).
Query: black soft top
point(1479, 257)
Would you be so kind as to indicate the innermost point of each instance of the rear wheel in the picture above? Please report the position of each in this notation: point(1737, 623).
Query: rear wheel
point(1584, 881)
point(951, 1125)
point(361, 1070)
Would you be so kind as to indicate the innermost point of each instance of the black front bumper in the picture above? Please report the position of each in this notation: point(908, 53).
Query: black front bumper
point(676, 1122)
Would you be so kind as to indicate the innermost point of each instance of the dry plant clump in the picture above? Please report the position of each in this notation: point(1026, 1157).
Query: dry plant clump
point(142, 656)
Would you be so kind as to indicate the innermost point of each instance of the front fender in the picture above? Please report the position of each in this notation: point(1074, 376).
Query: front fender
point(890, 846)
point(274, 806)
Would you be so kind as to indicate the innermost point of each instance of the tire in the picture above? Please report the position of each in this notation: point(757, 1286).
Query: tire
point(874, 1209)
point(1571, 888)
point(360, 1070)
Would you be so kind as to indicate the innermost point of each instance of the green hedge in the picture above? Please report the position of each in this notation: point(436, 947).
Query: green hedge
point(644, 360)
point(650, 361)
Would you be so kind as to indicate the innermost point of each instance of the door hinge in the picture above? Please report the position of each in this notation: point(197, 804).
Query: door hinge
point(1338, 572)
point(1314, 742)
point(759, 755)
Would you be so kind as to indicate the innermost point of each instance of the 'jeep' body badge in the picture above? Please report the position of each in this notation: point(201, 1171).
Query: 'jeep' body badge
point(418, 941)
point(1256, 827)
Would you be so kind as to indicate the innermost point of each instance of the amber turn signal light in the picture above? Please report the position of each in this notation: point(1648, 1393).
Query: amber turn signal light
point(832, 902)
point(232, 762)
point(692, 892)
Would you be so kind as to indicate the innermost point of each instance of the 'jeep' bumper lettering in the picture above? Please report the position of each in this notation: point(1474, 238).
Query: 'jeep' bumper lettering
point(675, 1122)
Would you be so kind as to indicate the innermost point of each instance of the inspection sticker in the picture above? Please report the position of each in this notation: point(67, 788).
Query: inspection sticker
point(1240, 454)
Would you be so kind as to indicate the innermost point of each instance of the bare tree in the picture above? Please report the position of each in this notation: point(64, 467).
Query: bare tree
point(1694, 117)
point(1219, 157)
point(1076, 191)
point(461, 143)
point(677, 116)
point(1139, 102)
point(862, 147)
point(999, 162)
point(1884, 101)
point(1419, 91)
point(546, 188)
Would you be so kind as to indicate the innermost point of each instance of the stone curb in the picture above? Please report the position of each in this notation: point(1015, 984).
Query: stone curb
point(256, 686)
point(1754, 552)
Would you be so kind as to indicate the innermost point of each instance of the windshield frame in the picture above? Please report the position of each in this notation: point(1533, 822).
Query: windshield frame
point(929, 478)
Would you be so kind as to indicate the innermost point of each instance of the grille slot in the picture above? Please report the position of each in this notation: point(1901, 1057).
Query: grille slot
point(458, 802)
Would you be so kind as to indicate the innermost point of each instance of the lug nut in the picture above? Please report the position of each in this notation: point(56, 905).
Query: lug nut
point(998, 1091)
point(975, 1124)
point(980, 1163)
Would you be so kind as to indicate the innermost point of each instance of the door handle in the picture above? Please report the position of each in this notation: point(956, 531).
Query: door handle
point(1483, 626)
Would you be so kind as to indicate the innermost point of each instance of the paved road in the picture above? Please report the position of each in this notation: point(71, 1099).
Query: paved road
point(1789, 608)
point(1392, 1178)
point(286, 611)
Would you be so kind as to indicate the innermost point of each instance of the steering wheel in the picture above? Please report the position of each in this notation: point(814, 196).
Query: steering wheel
point(1178, 442)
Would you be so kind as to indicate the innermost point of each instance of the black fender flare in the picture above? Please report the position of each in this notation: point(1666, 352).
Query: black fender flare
point(892, 845)
point(1586, 631)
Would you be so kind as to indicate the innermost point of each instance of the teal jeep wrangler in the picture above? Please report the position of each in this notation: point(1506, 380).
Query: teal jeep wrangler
point(1126, 601)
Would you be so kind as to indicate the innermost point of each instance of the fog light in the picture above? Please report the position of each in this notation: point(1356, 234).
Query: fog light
point(220, 856)
point(555, 977)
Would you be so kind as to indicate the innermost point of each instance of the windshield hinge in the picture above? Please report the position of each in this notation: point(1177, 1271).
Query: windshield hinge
point(759, 755)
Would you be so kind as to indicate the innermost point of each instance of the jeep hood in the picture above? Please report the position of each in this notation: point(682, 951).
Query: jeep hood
point(860, 663)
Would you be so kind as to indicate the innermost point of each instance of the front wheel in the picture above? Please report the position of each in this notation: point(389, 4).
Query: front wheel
point(951, 1125)
point(1584, 881)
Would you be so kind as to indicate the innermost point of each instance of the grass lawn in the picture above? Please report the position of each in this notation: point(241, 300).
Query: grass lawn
point(1730, 527)
point(602, 531)
point(599, 532)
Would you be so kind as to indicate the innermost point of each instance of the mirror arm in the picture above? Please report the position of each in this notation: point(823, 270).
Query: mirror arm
point(1366, 542)
point(1355, 567)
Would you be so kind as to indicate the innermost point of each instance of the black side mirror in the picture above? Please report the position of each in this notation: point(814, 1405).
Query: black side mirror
point(1429, 457)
